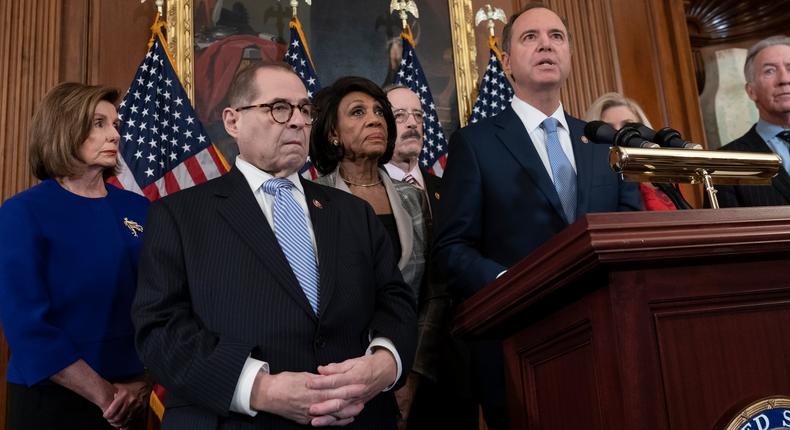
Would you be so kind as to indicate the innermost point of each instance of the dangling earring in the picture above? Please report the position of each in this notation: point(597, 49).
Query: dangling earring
point(334, 141)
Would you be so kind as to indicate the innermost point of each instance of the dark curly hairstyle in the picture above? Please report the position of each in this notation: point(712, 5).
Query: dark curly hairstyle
point(324, 155)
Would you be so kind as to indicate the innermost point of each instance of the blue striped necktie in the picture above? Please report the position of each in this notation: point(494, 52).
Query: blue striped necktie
point(561, 169)
point(290, 228)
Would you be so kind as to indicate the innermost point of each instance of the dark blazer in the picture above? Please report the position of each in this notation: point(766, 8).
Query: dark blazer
point(777, 194)
point(498, 202)
point(216, 287)
point(433, 188)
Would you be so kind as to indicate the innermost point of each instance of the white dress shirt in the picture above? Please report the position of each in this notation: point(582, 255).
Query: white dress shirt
point(398, 174)
point(532, 120)
point(255, 178)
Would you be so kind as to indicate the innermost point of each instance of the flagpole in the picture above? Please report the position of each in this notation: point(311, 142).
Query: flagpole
point(295, 5)
point(160, 4)
point(299, 58)
point(494, 90)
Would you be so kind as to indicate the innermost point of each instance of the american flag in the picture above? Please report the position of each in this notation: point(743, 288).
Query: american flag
point(164, 147)
point(298, 56)
point(410, 74)
point(495, 90)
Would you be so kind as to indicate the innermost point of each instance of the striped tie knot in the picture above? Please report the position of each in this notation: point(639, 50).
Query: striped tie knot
point(411, 180)
point(274, 185)
point(784, 135)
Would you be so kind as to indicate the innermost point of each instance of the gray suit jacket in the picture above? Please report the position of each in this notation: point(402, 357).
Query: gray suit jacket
point(410, 209)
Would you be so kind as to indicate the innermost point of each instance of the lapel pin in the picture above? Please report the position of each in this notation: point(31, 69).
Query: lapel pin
point(436, 195)
point(317, 204)
point(584, 139)
point(133, 226)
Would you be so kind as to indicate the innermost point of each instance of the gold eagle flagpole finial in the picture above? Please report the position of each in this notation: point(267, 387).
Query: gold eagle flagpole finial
point(490, 14)
point(295, 5)
point(404, 7)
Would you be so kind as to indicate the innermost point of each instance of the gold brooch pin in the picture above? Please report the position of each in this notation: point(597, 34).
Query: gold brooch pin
point(133, 226)
point(317, 204)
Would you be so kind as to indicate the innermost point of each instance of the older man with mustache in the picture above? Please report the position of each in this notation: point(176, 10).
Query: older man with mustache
point(437, 393)
point(404, 165)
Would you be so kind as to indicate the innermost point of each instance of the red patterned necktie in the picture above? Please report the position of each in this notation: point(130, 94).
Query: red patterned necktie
point(410, 179)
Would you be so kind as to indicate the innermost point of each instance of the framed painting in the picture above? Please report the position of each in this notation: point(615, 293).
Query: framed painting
point(211, 39)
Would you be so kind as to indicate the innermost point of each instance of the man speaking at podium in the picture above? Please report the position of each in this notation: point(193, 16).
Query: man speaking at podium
point(515, 180)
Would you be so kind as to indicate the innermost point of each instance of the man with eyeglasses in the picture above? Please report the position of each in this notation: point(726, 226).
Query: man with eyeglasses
point(404, 165)
point(268, 301)
point(437, 393)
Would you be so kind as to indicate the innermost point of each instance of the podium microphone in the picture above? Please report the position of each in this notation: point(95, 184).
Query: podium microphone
point(670, 138)
point(646, 132)
point(601, 132)
point(629, 135)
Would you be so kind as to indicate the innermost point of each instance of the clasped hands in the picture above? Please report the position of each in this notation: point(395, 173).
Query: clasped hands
point(333, 397)
point(129, 399)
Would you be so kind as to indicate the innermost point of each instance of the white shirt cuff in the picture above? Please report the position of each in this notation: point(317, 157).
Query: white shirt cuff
point(383, 342)
point(241, 395)
point(501, 273)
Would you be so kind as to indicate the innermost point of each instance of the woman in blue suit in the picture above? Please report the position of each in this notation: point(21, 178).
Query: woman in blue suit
point(68, 270)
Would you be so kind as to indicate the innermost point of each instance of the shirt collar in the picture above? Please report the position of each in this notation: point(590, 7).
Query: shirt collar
point(533, 118)
point(398, 174)
point(766, 130)
point(256, 177)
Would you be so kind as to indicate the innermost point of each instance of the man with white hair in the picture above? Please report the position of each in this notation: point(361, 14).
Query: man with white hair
point(405, 163)
point(767, 72)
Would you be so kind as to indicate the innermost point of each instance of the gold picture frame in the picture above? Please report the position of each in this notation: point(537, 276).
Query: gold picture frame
point(180, 40)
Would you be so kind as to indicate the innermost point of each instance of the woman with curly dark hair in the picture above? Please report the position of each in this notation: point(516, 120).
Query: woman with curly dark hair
point(353, 136)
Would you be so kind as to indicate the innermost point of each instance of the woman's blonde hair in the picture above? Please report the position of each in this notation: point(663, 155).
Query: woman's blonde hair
point(60, 127)
point(610, 100)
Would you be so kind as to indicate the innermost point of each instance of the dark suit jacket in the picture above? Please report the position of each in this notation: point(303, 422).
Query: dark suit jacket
point(777, 194)
point(433, 188)
point(216, 287)
point(499, 203)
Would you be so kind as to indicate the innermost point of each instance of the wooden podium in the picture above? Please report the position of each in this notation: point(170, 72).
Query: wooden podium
point(649, 320)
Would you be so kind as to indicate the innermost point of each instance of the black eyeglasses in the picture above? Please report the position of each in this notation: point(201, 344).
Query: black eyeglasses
point(402, 115)
point(282, 111)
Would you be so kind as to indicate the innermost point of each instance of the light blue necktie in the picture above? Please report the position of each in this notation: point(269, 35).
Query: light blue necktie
point(561, 169)
point(290, 228)
point(784, 151)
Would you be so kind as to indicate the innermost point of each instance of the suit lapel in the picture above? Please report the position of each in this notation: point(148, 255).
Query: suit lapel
point(516, 138)
point(583, 155)
point(241, 211)
point(431, 190)
point(325, 221)
point(781, 182)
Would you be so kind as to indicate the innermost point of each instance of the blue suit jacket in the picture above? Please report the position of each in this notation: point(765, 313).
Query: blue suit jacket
point(499, 203)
